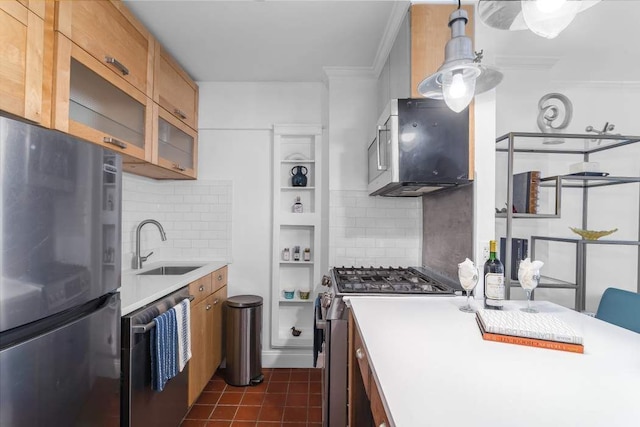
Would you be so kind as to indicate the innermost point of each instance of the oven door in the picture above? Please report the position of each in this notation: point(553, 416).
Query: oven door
point(334, 355)
point(319, 325)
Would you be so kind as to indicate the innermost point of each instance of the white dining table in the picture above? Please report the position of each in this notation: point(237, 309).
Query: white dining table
point(434, 369)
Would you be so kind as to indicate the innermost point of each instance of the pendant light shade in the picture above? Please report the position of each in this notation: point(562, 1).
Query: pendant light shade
point(547, 18)
point(461, 76)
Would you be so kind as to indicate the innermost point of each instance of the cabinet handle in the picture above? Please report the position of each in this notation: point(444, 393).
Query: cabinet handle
point(216, 301)
point(201, 288)
point(119, 65)
point(383, 424)
point(178, 167)
point(359, 354)
point(208, 307)
point(220, 278)
point(180, 113)
point(113, 141)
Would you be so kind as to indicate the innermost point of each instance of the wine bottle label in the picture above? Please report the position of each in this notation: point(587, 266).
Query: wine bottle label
point(494, 286)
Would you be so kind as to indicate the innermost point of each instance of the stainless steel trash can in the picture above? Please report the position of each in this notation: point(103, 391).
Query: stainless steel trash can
point(244, 340)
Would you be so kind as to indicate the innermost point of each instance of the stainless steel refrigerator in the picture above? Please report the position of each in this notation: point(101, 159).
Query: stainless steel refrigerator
point(59, 271)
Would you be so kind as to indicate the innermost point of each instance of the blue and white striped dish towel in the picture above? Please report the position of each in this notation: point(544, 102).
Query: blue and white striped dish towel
point(183, 322)
point(164, 344)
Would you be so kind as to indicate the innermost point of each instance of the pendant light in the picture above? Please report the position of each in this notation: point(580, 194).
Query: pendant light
point(461, 76)
point(546, 18)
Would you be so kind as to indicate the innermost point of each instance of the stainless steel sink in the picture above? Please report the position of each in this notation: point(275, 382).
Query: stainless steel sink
point(169, 270)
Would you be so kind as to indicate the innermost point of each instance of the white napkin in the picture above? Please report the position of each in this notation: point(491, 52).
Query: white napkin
point(527, 271)
point(467, 274)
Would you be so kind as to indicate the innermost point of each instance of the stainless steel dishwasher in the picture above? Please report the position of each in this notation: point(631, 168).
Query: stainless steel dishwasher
point(141, 405)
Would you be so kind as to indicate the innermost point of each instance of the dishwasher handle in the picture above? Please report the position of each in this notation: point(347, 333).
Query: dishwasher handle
point(143, 329)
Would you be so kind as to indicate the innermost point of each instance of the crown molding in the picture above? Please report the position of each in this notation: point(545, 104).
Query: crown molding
point(532, 63)
point(599, 84)
point(350, 72)
point(389, 36)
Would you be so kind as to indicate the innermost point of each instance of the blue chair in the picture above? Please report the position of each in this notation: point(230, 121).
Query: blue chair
point(621, 308)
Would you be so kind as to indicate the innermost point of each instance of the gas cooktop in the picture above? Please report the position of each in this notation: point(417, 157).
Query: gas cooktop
point(387, 280)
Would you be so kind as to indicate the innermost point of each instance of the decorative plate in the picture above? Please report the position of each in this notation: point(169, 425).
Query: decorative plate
point(296, 156)
point(592, 235)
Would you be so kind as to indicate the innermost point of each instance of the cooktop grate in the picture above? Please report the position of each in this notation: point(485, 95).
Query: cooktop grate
point(387, 280)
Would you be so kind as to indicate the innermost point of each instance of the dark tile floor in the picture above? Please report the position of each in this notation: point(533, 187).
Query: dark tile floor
point(287, 397)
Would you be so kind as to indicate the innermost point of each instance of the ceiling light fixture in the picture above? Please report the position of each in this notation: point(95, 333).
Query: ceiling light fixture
point(461, 76)
point(546, 18)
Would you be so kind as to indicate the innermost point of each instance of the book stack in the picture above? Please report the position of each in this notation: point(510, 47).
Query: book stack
point(526, 187)
point(541, 330)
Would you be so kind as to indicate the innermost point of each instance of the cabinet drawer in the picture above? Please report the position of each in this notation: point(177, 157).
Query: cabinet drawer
point(174, 90)
point(200, 289)
point(361, 357)
point(219, 278)
point(109, 33)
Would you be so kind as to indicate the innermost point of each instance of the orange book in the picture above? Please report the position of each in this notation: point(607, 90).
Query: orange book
point(532, 342)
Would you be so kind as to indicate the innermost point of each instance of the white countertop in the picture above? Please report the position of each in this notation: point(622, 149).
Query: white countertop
point(434, 369)
point(137, 291)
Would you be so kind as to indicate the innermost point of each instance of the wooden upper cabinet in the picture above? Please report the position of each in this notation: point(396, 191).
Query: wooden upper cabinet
point(174, 90)
point(93, 103)
point(177, 146)
point(22, 61)
point(108, 31)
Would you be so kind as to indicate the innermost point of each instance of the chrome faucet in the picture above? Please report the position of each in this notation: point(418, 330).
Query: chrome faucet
point(139, 259)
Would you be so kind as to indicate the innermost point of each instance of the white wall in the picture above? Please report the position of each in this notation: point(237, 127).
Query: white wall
point(596, 76)
point(363, 230)
point(235, 144)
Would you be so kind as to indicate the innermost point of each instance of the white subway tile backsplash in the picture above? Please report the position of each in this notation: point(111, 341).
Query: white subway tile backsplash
point(368, 230)
point(187, 211)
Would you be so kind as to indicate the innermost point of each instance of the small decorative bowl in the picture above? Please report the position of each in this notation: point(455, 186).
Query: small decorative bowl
point(592, 235)
point(288, 294)
point(304, 294)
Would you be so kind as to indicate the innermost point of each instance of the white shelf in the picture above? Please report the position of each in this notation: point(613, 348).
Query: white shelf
point(296, 300)
point(286, 339)
point(297, 262)
point(291, 188)
point(295, 229)
point(302, 219)
point(307, 161)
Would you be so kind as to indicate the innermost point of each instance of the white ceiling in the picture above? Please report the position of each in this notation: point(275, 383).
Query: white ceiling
point(266, 40)
point(273, 40)
point(601, 44)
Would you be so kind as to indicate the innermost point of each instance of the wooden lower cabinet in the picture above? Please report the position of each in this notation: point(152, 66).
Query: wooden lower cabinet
point(207, 330)
point(365, 401)
point(197, 369)
point(217, 316)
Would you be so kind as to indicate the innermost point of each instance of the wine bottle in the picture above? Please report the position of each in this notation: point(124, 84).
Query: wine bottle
point(493, 280)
